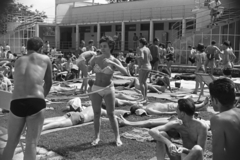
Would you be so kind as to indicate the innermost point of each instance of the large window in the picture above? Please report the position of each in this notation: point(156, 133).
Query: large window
point(145, 27)
point(159, 26)
point(106, 28)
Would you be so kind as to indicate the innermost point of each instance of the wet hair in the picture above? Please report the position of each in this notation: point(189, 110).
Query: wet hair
point(227, 43)
point(134, 107)
point(223, 89)
point(34, 44)
point(200, 47)
point(187, 106)
point(143, 41)
point(213, 42)
point(109, 41)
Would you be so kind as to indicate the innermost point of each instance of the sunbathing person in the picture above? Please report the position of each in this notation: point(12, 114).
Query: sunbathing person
point(151, 87)
point(75, 118)
point(158, 108)
point(193, 133)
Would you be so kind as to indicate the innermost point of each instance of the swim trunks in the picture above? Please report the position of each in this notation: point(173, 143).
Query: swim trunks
point(27, 106)
point(76, 117)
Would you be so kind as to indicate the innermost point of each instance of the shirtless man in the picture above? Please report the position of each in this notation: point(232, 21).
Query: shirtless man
point(225, 125)
point(211, 50)
point(82, 63)
point(75, 118)
point(193, 133)
point(227, 52)
point(28, 99)
point(158, 108)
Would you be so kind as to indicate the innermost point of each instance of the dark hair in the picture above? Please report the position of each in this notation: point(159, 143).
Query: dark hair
point(15, 54)
point(143, 41)
point(13, 60)
point(227, 72)
point(163, 45)
point(34, 44)
point(200, 47)
point(227, 43)
point(190, 46)
point(132, 60)
point(168, 42)
point(9, 52)
point(213, 42)
point(90, 41)
point(223, 89)
point(109, 41)
point(156, 40)
point(187, 106)
point(91, 82)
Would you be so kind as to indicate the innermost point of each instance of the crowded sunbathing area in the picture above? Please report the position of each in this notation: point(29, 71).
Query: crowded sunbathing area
point(96, 105)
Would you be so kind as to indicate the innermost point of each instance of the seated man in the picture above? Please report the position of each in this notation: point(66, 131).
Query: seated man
point(158, 108)
point(193, 133)
point(75, 118)
point(225, 125)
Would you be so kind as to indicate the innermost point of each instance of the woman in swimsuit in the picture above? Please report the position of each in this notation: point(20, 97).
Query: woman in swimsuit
point(170, 56)
point(200, 59)
point(144, 56)
point(104, 65)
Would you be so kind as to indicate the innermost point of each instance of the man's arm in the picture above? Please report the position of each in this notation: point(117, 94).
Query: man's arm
point(202, 137)
point(155, 132)
point(218, 138)
point(48, 78)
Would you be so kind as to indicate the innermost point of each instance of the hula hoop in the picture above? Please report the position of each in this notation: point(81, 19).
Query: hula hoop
point(87, 94)
point(77, 79)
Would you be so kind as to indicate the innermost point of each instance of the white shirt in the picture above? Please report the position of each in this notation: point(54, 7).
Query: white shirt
point(214, 4)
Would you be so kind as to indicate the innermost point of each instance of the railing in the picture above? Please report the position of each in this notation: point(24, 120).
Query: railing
point(227, 17)
point(168, 13)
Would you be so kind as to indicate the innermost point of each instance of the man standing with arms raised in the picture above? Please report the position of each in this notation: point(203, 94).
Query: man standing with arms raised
point(225, 126)
point(32, 83)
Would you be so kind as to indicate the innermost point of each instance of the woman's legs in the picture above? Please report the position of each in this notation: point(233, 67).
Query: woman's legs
point(96, 104)
point(142, 87)
point(83, 68)
point(58, 123)
point(144, 81)
point(110, 107)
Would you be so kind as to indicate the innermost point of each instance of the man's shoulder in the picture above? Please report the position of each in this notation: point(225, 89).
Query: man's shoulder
point(175, 123)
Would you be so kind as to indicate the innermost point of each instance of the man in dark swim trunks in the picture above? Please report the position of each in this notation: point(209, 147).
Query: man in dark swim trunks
point(32, 83)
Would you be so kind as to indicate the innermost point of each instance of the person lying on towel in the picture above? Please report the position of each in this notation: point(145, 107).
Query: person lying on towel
point(157, 108)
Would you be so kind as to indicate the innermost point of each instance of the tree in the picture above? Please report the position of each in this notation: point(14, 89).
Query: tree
point(12, 11)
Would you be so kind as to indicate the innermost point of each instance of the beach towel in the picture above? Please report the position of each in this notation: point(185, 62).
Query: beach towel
point(138, 134)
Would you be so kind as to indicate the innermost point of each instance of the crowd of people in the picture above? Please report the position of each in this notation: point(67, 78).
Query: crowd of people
point(33, 80)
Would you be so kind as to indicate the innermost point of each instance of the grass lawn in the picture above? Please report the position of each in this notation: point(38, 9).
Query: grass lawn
point(74, 143)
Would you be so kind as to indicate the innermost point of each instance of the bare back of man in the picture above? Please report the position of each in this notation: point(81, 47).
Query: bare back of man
point(32, 83)
point(226, 131)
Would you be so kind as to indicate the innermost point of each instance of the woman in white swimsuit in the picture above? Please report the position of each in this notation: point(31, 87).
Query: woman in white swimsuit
point(104, 65)
point(144, 57)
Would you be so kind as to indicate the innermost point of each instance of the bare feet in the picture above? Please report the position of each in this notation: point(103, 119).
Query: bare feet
point(95, 142)
point(119, 142)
